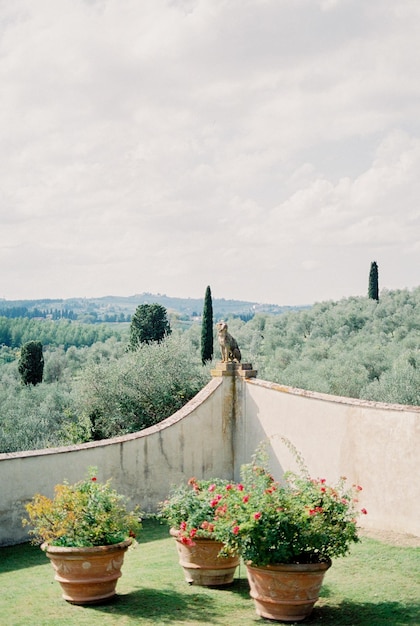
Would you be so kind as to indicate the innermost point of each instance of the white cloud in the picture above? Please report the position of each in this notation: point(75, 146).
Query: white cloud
point(163, 146)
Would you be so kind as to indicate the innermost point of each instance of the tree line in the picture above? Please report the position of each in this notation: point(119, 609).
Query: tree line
point(133, 377)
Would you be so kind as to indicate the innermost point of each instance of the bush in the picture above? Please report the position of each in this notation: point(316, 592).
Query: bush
point(141, 388)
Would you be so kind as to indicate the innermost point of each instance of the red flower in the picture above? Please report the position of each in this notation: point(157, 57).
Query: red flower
point(94, 479)
point(212, 487)
point(240, 487)
point(183, 526)
point(235, 530)
point(317, 509)
point(187, 541)
point(245, 499)
point(228, 487)
point(363, 511)
point(257, 515)
point(193, 532)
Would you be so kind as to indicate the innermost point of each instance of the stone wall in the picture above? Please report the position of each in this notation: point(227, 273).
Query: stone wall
point(374, 445)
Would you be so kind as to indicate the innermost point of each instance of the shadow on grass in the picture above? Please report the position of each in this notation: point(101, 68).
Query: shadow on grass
point(367, 614)
point(21, 556)
point(153, 530)
point(161, 605)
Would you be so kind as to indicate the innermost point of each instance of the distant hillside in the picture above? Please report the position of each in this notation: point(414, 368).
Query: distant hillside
point(109, 307)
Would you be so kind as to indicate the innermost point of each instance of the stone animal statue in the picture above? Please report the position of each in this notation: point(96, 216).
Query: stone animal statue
point(228, 345)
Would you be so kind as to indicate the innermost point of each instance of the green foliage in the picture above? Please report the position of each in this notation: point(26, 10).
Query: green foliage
point(149, 324)
point(355, 347)
point(373, 290)
point(86, 514)
point(31, 363)
point(207, 328)
point(142, 387)
point(37, 417)
point(301, 520)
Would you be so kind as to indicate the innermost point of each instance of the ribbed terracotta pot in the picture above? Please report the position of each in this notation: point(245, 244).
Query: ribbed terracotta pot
point(286, 593)
point(87, 575)
point(201, 563)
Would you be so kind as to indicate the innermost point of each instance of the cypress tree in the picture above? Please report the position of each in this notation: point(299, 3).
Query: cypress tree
point(207, 328)
point(31, 363)
point(373, 291)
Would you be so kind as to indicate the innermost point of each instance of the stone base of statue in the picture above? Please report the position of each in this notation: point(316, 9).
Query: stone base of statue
point(231, 368)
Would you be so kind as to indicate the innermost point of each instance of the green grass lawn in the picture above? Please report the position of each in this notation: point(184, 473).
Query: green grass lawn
point(377, 585)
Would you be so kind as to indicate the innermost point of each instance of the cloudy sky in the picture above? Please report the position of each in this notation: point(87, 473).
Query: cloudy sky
point(267, 148)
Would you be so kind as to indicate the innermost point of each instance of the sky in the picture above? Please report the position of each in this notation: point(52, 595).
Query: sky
point(267, 148)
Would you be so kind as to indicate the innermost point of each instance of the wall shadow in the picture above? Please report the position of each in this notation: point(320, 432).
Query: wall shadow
point(21, 556)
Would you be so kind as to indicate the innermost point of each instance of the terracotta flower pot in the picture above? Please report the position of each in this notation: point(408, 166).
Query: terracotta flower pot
point(286, 593)
point(87, 575)
point(201, 563)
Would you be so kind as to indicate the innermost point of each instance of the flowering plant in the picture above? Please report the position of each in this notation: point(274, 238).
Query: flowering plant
point(190, 508)
point(85, 514)
point(301, 520)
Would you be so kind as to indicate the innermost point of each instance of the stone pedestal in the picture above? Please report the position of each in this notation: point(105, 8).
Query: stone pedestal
point(243, 370)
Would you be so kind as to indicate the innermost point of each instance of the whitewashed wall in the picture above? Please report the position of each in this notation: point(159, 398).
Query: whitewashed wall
point(374, 445)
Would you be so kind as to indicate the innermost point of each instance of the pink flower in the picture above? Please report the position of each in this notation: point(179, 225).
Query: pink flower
point(245, 499)
point(257, 515)
point(228, 487)
point(193, 532)
point(212, 487)
point(235, 530)
point(363, 511)
point(183, 526)
point(240, 487)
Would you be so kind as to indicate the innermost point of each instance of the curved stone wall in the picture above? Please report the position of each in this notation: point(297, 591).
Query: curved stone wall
point(192, 442)
point(374, 445)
